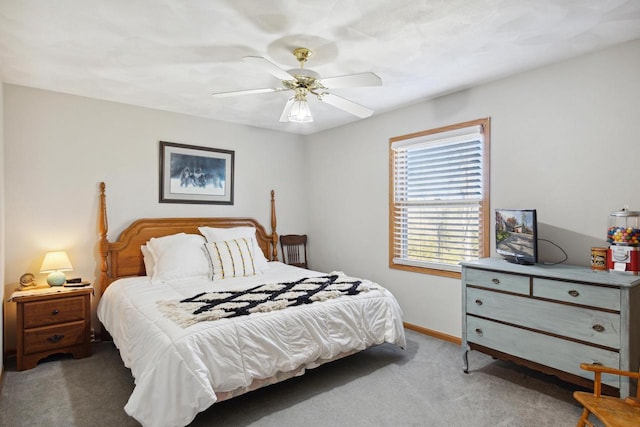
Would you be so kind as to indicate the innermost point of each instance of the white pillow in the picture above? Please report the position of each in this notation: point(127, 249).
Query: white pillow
point(148, 260)
point(178, 256)
point(232, 258)
point(221, 234)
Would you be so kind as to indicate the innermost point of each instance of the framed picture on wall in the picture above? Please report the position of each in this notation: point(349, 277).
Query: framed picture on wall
point(191, 174)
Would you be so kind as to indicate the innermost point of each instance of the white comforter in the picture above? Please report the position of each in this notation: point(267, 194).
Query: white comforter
point(178, 370)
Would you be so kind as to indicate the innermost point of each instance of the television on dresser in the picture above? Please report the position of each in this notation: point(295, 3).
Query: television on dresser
point(517, 235)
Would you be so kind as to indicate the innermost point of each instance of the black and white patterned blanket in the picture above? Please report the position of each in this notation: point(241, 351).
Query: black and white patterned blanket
point(262, 298)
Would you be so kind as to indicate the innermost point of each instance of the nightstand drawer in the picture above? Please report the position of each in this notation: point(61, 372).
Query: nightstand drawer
point(52, 337)
point(594, 296)
point(52, 321)
point(49, 312)
point(498, 281)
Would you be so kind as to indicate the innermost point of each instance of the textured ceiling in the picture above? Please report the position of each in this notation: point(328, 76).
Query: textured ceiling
point(172, 54)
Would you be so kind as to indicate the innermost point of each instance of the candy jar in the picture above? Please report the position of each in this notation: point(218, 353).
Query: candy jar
point(623, 236)
point(624, 228)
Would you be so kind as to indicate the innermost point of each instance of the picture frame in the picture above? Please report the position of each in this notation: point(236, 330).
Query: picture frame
point(193, 174)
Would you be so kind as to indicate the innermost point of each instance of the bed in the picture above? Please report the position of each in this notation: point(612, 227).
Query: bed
point(192, 338)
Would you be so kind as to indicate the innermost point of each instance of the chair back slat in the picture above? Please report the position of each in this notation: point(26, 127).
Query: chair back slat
point(294, 249)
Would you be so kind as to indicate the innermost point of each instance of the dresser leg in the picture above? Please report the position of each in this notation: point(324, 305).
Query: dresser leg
point(465, 361)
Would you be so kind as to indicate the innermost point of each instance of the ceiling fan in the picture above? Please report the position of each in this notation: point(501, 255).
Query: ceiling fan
point(304, 82)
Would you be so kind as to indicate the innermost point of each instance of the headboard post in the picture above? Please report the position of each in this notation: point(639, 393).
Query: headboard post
point(104, 243)
point(274, 235)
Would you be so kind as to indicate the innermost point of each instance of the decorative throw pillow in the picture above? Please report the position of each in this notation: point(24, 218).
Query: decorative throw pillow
point(178, 256)
point(219, 234)
point(232, 258)
point(149, 264)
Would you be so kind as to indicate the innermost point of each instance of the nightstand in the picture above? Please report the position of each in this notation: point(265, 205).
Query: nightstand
point(50, 321)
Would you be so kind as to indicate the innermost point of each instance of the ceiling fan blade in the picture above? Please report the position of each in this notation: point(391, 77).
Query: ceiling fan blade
point(346, 105)
point(352, 80)
point(284, 117)
point(269, 66)
point(246, 92)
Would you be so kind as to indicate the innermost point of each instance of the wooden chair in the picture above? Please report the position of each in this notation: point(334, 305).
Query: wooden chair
point(612, 411)
point(294, 249)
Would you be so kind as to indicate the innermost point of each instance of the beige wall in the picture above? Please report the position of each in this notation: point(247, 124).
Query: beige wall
point(59, 147)
point(564, 141)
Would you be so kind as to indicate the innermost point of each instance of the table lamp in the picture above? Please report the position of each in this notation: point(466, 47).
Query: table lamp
point(55, 263)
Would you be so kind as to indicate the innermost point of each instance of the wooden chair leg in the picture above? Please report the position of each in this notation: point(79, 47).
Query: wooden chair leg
point(584, 419)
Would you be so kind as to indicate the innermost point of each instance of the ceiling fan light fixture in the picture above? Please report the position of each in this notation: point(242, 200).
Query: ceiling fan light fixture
point(300, 112)
point(302, 82)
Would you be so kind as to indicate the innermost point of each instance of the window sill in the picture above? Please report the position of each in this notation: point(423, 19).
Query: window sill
point(424, 270)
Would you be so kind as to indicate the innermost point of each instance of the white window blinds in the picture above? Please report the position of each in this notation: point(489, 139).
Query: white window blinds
point(437, 198)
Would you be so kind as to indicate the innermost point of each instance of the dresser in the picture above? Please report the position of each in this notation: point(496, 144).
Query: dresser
point(52, 321)
point(552, 318)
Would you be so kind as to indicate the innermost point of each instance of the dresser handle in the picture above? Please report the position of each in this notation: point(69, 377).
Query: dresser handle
point(55, 338)
point(479, 331)
point(55, 311)
point(598, 328)
point(597, 363)
point(479, 302)
point(496, 281)
point(574, 293)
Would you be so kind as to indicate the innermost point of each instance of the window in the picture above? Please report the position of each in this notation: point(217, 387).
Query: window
point(439, 198)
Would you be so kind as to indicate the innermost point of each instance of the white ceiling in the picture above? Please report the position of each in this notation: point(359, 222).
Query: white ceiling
point(172, 54)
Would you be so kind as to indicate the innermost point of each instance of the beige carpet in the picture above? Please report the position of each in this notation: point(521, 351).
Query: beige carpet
point(384, 386)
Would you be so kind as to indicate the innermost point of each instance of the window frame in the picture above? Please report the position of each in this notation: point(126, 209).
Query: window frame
point(484, 205)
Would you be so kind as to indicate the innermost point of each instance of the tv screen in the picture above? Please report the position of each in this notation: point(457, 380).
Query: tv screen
point(517, 235)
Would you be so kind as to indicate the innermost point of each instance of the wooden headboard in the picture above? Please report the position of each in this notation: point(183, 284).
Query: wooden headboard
point(123, 257)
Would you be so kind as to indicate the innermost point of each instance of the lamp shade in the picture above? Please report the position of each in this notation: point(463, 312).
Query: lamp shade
point(300, 111)
point(55, 263)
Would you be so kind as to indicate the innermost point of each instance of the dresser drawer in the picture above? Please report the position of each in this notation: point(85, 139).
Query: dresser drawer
point(594, 326)
point(52, 337)
point(593, 296)
point(499, 281)
point(543, 349)
point(53, 311)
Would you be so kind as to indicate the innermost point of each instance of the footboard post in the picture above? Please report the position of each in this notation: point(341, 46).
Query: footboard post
point(274, 235)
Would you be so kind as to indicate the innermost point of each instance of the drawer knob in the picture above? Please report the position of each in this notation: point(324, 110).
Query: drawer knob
point(496, 281)
point(596, 363)
point(598, 328)
point(479, 301)
point(55, 338)
point(55, 311)
point(479, 331)
point(574, 293)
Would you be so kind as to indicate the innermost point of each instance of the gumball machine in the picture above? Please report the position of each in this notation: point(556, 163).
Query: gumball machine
point(623, 236)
